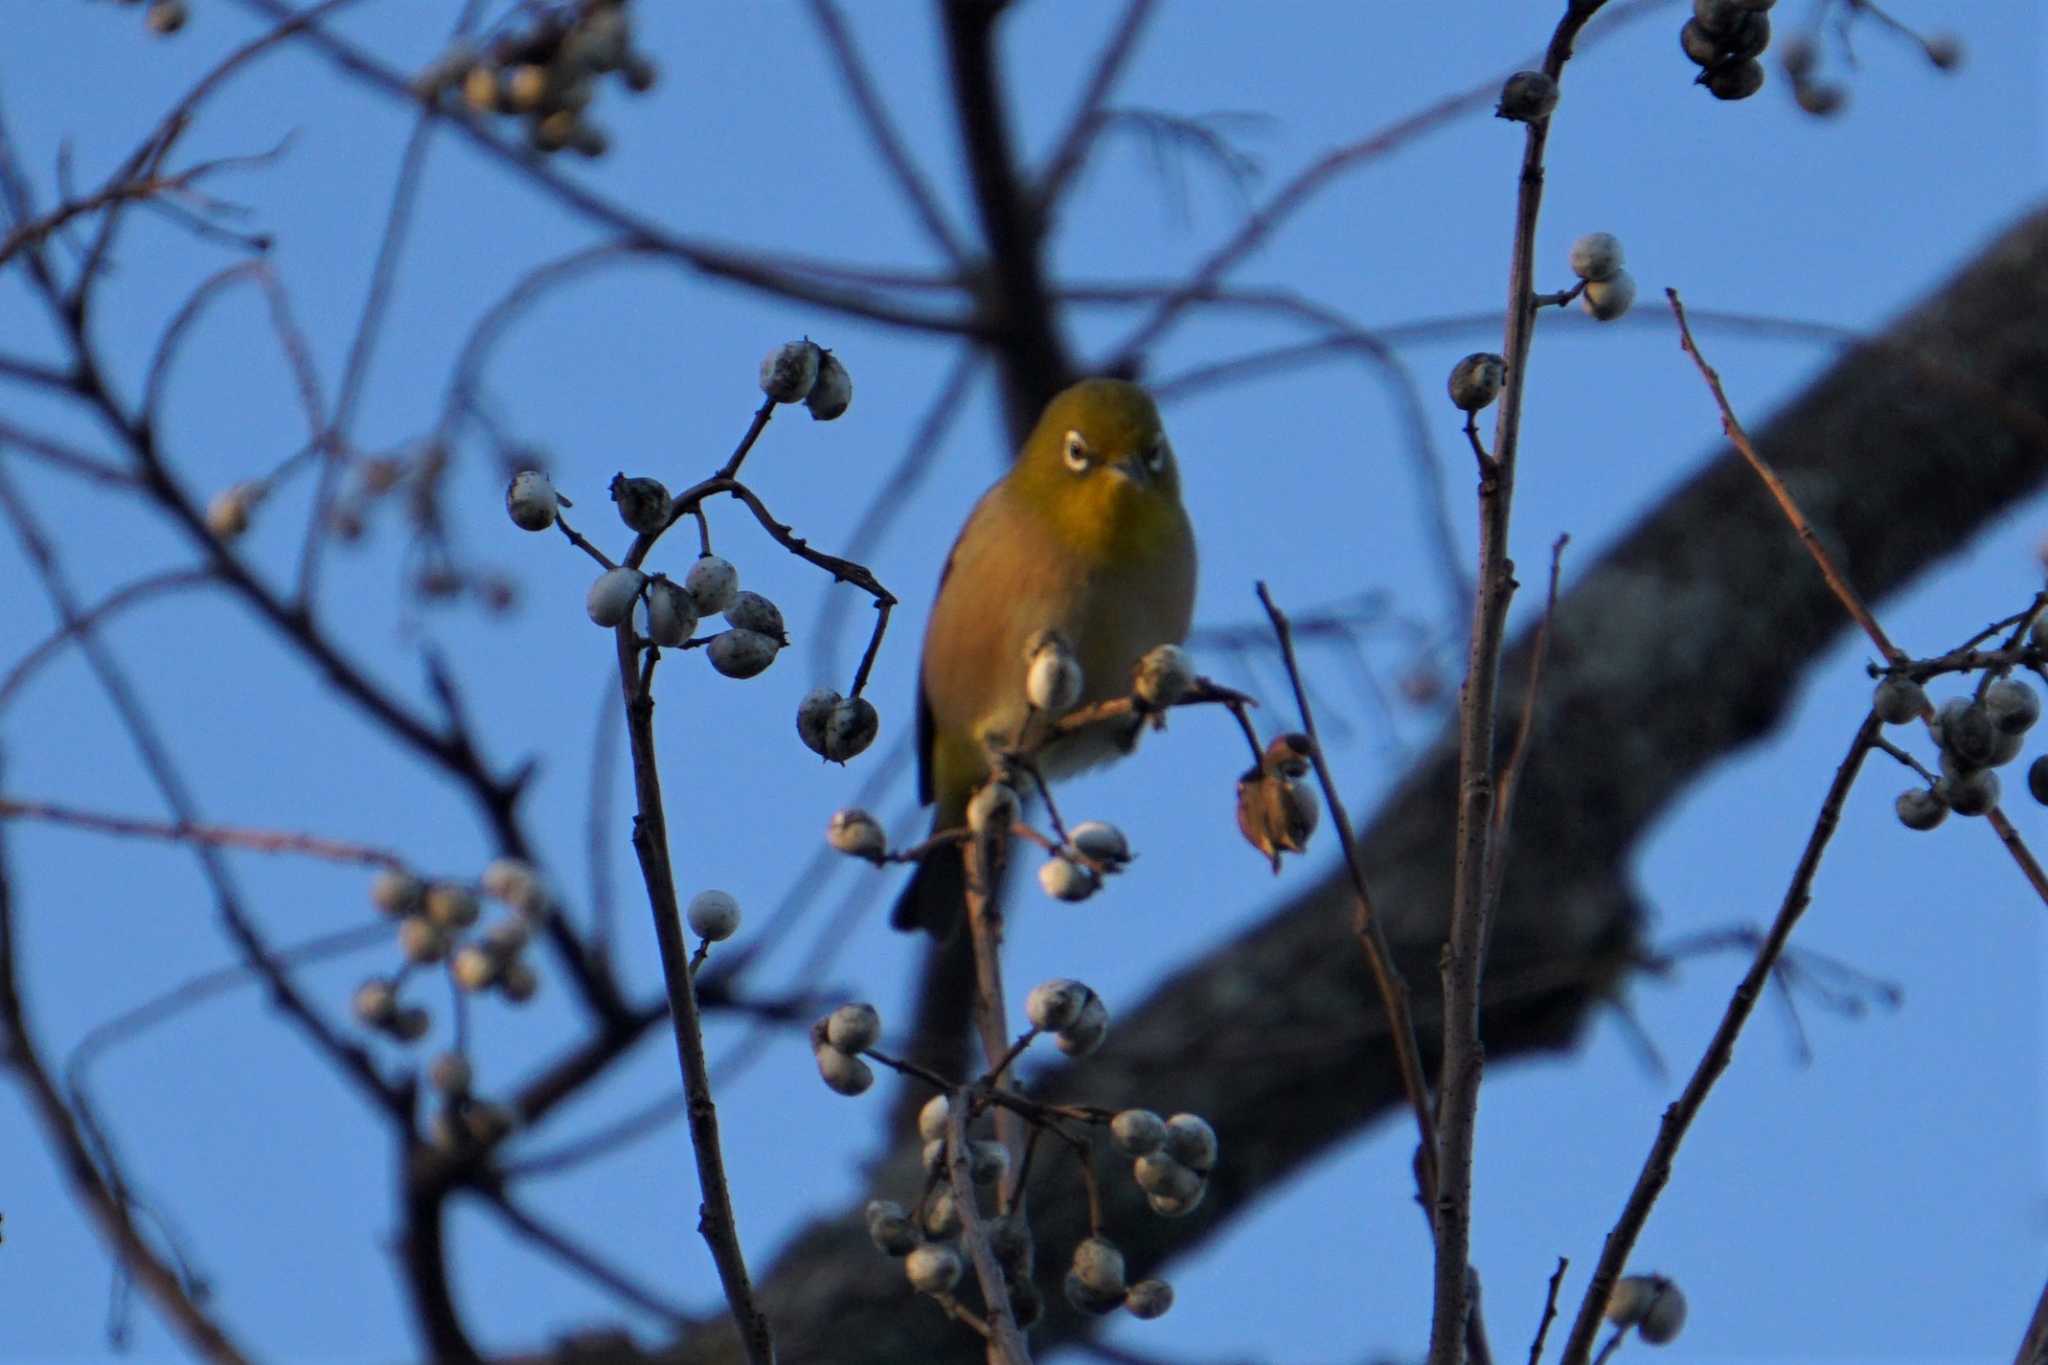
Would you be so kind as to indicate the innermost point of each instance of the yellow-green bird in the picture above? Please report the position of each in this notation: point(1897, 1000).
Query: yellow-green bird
point(1085, 536)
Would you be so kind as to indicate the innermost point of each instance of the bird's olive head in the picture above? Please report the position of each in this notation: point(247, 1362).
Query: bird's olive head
point(1100, 464)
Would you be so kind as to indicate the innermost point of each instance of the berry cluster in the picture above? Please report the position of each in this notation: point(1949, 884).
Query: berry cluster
point(1976, 735)
point(1799, 56)
point(1171, 1161)
point(547, 74)
point(665, 614)
point(1606, 290)
point(435, 922)
point(1724, 38)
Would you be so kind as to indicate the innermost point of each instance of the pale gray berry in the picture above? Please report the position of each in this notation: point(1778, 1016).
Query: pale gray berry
point(1736, 81)
point(530, 500)
point(714, 915)
point(1009, 1241)
point(422, 940)
point(843, 1072)
point(854, 1027)
point(1089, 1300)
point(1920, 809)
point(993, 808)
point(1138, 1131)
point(931, 1120)
point(1595, 256)
point(1163, 676)
point(511, 881)
point(1102, 842)
point(1191, 1141)
point(451, 906)
point(1066, 880)
point(2012, 706)
point(752, 611)
point(396, 893)
point(1052, 675)
point(851, 728)
point(474, 969)
point(1527, 97)
point(1666, 1314)
point(741, 653)
point(1056, 1004)
point(812, 714)
point(610, 599)
point(1605, 300)
point(890, 1228)
point(790, 370)
point(1099, 1265)
point(1149, 1299)
point(671, 613)
point(518, 982)
point(1086, 1034)
point(1475, 381)
point(1974, 794)
point(987, 1162)
point(376, 1002)
point(643, 503)
point(856, 833)
point(941, 1209)
point(1899, 700)
point(933, 1268)
point(833, 391)
point(714, 583)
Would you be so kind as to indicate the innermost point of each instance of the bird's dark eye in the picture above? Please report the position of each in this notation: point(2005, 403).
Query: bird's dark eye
point(1155, 458)
point(1076, 452)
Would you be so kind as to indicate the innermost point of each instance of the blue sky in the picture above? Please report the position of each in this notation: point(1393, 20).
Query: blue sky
point(1845, 1208)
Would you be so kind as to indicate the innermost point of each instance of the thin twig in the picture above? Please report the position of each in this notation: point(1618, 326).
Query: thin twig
point(348, 1057)
point(1365, 923)
point(582, 1260)
point(2029, 867)
point(1071, 151)
point(1837, 581)
point(867, 101)
point(138, 1258)
point(331, 440)
point(1311, 179)
point(1458, 1078)
point(1006, 1343)
point(983, 859)
point(1678, 1118)
point(90, 618)
point(1525, 734)
point(217, 836)
point(731, 468)
point(716, 1222)
point(1549, 1311)
point(783, 277)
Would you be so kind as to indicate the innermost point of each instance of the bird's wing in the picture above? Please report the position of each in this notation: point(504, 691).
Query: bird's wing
point(924, 743)
point(926, 725)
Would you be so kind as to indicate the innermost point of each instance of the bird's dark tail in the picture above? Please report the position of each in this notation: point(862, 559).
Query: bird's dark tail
point(936, 898)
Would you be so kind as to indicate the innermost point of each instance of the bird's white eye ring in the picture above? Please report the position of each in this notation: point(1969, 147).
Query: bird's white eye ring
point(1155, 458)
point(1076, 452)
